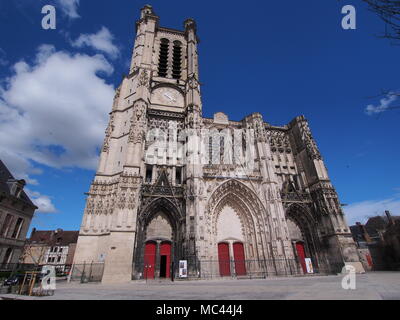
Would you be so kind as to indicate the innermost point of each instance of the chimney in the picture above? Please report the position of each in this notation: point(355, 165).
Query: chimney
point(389, 216)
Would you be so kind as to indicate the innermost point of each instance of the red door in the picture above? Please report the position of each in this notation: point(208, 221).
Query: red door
point(165, 259)
point(224, 259)
point(301, 255)
point(238, 253)
point(369, 260)
point(149, 260)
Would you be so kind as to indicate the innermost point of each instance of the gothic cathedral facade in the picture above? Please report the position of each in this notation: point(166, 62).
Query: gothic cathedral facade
point(229, 197)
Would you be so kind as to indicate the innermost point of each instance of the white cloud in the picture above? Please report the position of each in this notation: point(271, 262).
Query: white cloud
point(383, 106)
point(19, 166)
point(101, 41)
point(54, 111)
point(70, 8)
point(361, 211)
point(43, 202)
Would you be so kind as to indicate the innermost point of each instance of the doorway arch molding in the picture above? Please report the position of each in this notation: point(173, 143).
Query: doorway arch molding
point(303, 218)
point(247, 206)
point(175, 218)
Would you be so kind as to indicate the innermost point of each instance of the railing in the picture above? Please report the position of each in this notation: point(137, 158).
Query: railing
point(87, 272)
point(14, 268)
point(209, 269)
point(6, 267)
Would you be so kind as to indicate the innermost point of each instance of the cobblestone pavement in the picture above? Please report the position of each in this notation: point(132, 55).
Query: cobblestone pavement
point(372, 286)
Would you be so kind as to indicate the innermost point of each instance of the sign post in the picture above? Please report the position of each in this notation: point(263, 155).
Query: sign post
point(183, 269)
point(309, 265)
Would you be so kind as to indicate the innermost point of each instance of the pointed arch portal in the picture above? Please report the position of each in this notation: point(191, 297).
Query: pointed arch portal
point(302, 232)
point(158, 242)
point(234, 212)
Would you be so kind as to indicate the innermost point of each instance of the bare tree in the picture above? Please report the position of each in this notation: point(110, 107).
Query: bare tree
point(389, 12)
point(35, 253)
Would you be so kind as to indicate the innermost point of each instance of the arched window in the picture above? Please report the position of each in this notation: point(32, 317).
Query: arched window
point(176, 61)
point(7, 256)
point(163, 58)
point(17, 228)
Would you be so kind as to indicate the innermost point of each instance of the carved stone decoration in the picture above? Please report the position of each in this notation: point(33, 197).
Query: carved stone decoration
point(144, 79)
point(121, 200)
point(131, 200)
point(279, 141)
point(259, 130)
point(221, 118)
point(309, 141)
point(241, 191)
point(193, 118)
point(193, 84)
point(116, 97)
point(109, 131)
point(201, 187)
point(138, 123)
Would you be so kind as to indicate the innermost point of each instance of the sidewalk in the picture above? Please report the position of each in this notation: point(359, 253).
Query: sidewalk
point(370, 286)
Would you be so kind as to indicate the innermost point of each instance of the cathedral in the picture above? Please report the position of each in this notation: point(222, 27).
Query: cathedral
point(177, 194)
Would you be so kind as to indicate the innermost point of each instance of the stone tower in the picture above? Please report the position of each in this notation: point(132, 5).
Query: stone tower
point(230, 197)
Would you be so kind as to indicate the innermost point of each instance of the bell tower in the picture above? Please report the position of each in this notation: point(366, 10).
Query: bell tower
point(140, 183)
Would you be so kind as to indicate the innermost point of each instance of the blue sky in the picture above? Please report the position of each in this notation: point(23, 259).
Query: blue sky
point(283, 60)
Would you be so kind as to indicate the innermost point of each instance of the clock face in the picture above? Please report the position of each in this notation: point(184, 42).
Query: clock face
point(168, 97)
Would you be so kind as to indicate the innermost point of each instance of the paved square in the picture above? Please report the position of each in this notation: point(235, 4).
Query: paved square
point(374, 285)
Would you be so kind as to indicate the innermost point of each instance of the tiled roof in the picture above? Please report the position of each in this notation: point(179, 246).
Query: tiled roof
point(53, 237)
point(378, 223)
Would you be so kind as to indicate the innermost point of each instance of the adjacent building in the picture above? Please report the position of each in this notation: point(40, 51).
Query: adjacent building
point(378, 242)
point(229, 197)
point(51, 247)
point(16, 213)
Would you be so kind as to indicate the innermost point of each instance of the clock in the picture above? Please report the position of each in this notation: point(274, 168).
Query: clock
point(168, 97)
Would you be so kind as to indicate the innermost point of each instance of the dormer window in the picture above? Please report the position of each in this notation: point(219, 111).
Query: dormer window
point(16, 187)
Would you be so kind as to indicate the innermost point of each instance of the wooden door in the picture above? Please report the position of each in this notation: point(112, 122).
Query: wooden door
point(165, 251)
point(301, 255)
point(224, 259)
point(240, 262)
point(149, 260)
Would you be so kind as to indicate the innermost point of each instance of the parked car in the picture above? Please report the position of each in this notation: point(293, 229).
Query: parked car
point(17, 279)
point(14, 280)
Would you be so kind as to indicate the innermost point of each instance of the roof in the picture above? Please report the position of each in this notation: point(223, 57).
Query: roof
point(53, 237)
point(378, 223)
point(357, 233)
point(5, 175)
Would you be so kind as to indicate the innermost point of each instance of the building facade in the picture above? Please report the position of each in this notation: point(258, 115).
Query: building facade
point(234, 197)
point(51, 247)
point(378, 242)
point(16, 213)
